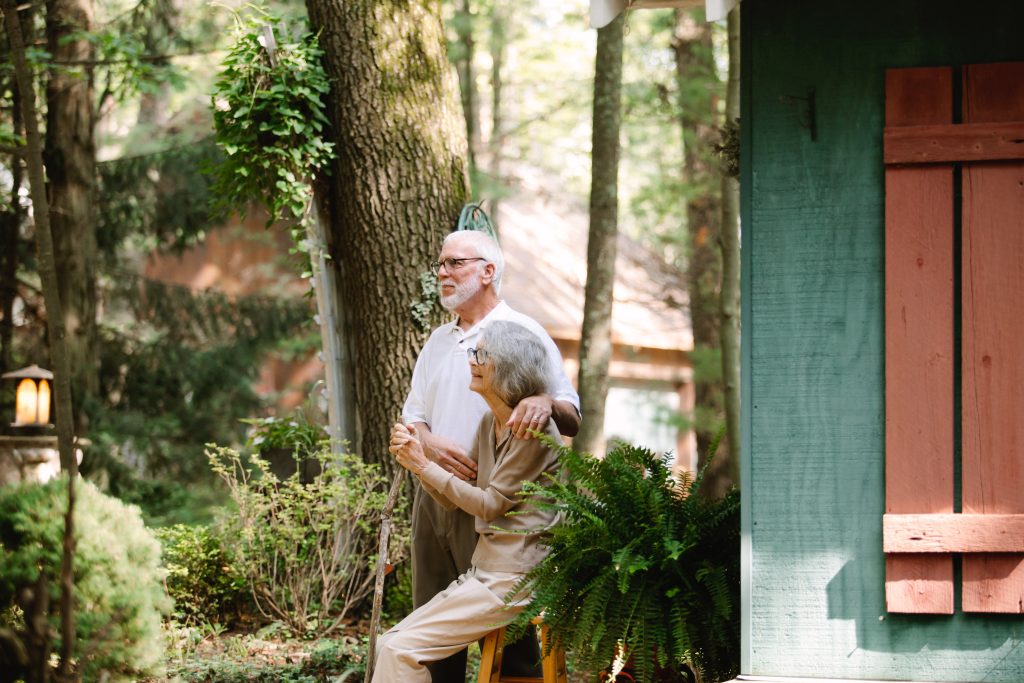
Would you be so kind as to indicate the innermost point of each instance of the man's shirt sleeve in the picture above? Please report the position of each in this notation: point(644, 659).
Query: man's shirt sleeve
point(416, 407)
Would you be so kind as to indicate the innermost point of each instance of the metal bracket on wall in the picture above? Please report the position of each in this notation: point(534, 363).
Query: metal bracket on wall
point(808, 117)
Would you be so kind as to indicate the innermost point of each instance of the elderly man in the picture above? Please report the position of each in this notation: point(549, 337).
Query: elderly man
point(447, 413)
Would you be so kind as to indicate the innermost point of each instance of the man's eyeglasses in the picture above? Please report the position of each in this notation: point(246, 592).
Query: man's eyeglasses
point(478, 356)
point(452, 264)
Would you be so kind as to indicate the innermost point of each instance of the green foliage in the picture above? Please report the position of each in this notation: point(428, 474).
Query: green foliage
point(119, 597)
point(308, 551)
point(728, 150)
point(201, 579)
point(424, 308)
point(640, 564)
point(163, 199)
point(176, 374)
point(269, 117)
point(326, 660)
point(294, 433)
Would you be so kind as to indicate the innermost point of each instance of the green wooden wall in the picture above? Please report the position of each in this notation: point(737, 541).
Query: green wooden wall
point(813, 480)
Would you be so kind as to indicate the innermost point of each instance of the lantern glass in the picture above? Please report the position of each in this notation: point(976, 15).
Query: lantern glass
point(27, 403)
point(43, 403)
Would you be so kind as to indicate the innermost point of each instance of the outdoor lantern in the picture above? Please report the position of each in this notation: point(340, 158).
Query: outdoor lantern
point(32, 402)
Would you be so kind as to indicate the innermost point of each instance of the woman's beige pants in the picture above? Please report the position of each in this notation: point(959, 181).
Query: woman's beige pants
point(468, 609)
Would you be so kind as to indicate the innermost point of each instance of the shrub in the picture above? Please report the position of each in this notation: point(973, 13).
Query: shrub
point(201, 579)
point(251, 660)
point(308, 552)
point(640, 565)
point(119, 597)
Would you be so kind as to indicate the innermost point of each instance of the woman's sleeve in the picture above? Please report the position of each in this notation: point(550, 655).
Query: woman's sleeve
point(526, 460)
point(441, 499)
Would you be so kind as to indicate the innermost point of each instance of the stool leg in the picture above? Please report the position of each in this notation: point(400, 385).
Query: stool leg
point(490, 656)
point(554, 660)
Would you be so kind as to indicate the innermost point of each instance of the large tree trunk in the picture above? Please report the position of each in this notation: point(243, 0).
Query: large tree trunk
point(397, 187)
point(730, 307)
point(70, 157)
point(596, 336)
point(695, 63)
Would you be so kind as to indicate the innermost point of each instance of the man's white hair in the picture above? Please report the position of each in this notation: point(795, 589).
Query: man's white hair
point(486, 248)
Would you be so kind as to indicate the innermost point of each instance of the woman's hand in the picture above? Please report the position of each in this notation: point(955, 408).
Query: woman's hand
point(406, 447)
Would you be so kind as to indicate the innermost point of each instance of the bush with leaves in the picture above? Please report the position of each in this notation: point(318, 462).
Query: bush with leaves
point(307, 550)
point(119, 596)
point(201, 579)
point(640, 566)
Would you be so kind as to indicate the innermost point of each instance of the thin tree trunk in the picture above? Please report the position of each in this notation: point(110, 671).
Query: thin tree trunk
point(467, 78)
point(730, 307)
point(496, 143)
point(70, 156)
point(694, 57)
point(54, 322)
point(10, 225)
point(397, 187)
point(596, 335)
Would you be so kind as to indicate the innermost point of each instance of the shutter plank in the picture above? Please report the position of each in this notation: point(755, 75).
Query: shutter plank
point(919, 340)
point(993, 338)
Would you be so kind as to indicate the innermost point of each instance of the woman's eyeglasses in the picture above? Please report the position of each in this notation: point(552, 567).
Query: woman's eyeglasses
point(478, 356)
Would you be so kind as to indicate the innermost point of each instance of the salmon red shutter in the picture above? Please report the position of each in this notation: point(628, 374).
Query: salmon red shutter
point(922, 149)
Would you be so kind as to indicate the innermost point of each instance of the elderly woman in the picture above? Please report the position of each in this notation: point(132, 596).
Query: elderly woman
point(508, 364)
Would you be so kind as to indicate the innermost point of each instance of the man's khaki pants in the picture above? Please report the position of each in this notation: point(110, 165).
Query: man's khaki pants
point(468, 609)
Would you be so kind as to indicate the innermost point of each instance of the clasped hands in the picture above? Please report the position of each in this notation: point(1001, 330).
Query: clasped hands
point(407, 449)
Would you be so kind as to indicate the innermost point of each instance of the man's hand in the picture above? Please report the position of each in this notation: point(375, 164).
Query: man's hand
point(533, 412)
point(449, 455)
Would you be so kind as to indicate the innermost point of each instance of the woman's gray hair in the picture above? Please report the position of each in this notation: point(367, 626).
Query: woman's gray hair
point(486, 248)
point(520, 361)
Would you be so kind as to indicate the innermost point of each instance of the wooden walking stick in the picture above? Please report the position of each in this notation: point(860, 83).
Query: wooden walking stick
point(382, 565)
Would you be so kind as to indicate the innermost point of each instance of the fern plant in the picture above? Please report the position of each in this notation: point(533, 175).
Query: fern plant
point(640, 566)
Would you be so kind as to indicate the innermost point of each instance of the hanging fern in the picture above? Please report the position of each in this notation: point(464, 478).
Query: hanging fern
point(639, 565)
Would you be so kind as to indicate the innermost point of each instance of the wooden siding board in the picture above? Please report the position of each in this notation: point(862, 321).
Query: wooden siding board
point(993, 338)
point(919, 340)
point(814, 569)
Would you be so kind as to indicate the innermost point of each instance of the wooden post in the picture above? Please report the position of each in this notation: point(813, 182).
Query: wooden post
point(329, 315)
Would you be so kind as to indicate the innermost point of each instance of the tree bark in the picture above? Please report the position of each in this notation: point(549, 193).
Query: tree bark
point(602, 247)
point(70, 157)
point(694, 57)
point(55, 325)
point(396, 189)
point(467, 78)
point(10, 222)
point(496, 142)
point(730, 303)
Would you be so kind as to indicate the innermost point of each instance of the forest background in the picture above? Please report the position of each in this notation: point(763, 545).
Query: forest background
point(135, 101)
point(160, 370)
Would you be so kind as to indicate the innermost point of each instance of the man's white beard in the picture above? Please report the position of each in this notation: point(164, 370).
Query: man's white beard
point(463, 292)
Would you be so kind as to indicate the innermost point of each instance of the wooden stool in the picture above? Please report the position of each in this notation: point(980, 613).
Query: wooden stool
point(553, 664)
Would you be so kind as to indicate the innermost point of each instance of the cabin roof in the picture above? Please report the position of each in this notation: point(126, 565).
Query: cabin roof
point(545, 242)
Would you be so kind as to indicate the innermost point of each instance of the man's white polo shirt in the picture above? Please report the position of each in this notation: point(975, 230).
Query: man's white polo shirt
point(440, 395)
